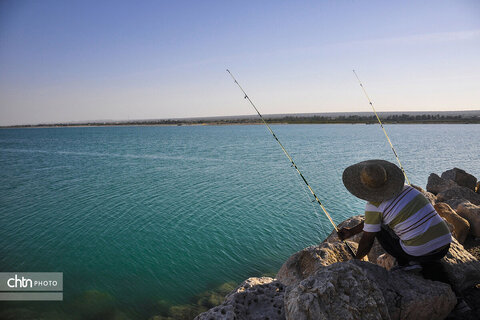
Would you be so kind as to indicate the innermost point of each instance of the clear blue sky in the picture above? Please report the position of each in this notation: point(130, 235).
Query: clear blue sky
point(90, 60)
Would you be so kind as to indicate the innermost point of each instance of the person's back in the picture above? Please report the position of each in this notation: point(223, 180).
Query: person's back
point(412, 218)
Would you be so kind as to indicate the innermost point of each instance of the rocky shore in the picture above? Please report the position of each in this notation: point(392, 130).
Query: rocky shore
point(323, 282)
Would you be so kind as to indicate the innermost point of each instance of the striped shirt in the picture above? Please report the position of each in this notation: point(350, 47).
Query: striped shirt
point(413, 219)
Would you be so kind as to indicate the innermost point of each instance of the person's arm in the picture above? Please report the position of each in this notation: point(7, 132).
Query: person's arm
point(365, 244)
point(346, 233)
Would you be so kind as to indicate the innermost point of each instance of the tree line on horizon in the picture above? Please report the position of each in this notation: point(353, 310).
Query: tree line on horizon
point(290, 119)
point(395, 118)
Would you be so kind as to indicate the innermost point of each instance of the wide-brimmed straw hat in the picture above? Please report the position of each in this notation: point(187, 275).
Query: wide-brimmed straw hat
point(374, 180)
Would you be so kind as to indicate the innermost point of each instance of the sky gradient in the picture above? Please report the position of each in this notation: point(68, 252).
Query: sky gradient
point(63, 61)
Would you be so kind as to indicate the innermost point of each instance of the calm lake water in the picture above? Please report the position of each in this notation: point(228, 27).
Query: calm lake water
point(145, 214)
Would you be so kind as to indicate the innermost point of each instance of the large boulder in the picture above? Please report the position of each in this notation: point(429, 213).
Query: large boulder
point(461, 227)
point(376, 250)
point(459, 193)
point(462, 268)
point(436, 184)
point(471, 213)
point(255, 298)
point(461, 178)
point(308, 261)
point(409, 296)
point(361, 290)
point(340, 291)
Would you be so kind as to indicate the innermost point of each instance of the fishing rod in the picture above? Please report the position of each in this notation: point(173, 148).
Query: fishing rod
point(381, 125)
point(293, 163)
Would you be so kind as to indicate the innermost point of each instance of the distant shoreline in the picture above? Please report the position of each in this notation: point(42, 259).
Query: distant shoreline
point(210, 124)
point(445, 117)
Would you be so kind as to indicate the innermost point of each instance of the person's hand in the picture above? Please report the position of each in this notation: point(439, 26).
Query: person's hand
point(344, 233)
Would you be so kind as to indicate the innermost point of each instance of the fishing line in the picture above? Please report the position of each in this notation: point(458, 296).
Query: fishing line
point(381, 125)
point(291, 160)
point(309, 199)
point(314, 207)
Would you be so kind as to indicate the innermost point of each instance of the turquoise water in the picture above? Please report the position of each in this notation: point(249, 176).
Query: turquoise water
point(163, 213)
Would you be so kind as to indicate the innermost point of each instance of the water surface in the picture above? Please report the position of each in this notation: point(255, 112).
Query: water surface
point(163, 213)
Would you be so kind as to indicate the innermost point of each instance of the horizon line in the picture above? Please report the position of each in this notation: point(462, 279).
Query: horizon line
point(234, 117)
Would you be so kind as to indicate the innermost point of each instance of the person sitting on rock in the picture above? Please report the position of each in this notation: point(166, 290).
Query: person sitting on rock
point(400, 217)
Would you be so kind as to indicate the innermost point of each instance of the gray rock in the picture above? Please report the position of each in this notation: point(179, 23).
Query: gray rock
point(462, 268)
point(256, 298)
point(459, 193)
point(409, 296)
point(376, 250)
point(361, 290)
point(312, 259)
point(340, 291)
point(471, 213)
point(461, 178)
point(436, 184)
